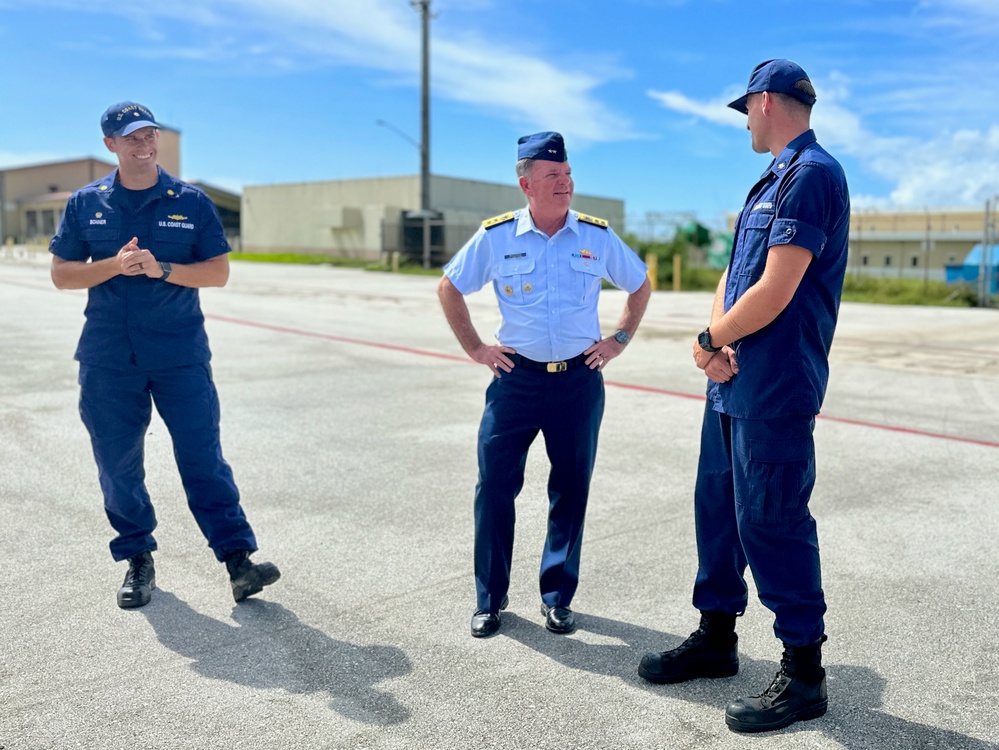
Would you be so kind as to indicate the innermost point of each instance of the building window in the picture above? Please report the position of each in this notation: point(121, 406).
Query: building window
point(887, 260)
point(952, 259)
point(914, 261)
point(865, 259)
point(48, 222)
point(31, 223)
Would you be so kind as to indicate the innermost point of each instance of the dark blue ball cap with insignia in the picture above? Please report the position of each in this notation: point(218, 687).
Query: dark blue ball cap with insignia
point(547, 146)
point(126, 117)
point(777, 77)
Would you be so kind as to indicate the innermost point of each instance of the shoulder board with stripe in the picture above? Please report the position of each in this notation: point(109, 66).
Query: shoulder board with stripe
point(602, 223)
point(497, 220)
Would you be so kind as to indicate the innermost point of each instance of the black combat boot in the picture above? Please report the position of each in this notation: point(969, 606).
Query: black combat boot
point(248, 578)
point(140, 580)
point(710, 651)
point(797, 693)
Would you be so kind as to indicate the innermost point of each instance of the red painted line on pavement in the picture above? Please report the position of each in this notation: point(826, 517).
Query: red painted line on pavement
point(626, 386)
point(341, 339)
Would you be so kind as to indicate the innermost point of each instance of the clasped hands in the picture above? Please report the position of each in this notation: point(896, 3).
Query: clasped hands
point(720, 366)
point(134, 261)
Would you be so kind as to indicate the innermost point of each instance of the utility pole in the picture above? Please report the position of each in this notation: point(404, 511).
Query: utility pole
point(984, 288)
point(423, 7)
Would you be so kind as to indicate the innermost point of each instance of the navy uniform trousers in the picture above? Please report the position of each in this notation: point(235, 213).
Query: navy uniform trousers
point(566, 408)
point(115, 406)
point(754, 480)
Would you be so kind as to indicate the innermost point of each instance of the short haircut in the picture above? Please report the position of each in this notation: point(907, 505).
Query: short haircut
point(524, 167)
point(794, 105)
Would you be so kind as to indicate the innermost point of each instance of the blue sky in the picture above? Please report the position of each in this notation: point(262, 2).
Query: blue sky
point(270, 91)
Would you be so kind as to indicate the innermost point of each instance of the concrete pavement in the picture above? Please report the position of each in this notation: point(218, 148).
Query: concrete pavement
point(349, 415)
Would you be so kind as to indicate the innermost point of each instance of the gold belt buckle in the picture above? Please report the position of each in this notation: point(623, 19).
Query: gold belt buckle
point(557, 367)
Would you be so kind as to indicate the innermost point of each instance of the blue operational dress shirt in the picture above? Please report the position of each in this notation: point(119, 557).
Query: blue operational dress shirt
point(136, 321)
point(802, 199)
point(547, 287)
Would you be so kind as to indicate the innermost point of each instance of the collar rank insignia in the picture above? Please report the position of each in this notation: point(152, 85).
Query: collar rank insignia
point(497, 220)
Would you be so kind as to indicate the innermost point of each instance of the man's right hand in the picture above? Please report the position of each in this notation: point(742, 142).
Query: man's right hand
point(494, 357)
point(722, 367)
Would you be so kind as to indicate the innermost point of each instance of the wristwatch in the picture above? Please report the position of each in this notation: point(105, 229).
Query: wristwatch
point(621, 336)
point(704, 340)
point(166, 268)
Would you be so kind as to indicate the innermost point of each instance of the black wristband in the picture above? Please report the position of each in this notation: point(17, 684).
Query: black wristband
point(166, 268)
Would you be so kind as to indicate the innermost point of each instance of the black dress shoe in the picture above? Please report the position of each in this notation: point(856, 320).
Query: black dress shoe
point(558, 619)
point(140, 580)
point(248, 578)
point(485, 624)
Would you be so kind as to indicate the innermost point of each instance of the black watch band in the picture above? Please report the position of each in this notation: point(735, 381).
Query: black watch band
point(166, 268)
point(704, 341)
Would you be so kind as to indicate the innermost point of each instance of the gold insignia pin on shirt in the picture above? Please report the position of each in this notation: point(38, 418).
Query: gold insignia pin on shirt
point(99, 214)
point(528, 287)
point(176, 217)
point(508, 290)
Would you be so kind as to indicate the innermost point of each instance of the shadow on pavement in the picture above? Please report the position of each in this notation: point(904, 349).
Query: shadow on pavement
point(853, 719)
point(269, 647)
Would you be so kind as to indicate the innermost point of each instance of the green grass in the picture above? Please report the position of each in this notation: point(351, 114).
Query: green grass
point(329, 260)
point(301, 259)
point(856, 288)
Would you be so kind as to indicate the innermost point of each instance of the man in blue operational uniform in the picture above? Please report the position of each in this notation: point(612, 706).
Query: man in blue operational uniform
point(143, 242)
point(546, 263)
point(765, 353)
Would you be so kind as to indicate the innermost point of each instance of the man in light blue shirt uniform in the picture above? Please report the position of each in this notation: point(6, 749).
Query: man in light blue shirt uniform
point(546, 263)
point(766, 354)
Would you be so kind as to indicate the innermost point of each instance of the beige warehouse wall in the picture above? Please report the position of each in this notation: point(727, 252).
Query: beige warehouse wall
point(345, 217)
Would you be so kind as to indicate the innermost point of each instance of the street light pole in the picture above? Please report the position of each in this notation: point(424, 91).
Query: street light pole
point(423, 7)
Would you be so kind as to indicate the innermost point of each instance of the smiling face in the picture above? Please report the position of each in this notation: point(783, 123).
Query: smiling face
point(136, 154)
point(548, 188)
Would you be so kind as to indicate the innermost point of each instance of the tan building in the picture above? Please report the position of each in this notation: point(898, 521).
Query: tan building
point(909, 244)
point(33, 198)
point(912, 244)
point(364, 218)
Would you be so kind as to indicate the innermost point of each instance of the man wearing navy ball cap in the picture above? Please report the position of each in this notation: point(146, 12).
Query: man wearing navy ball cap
point(142, 243)
point(766, 355)
point(546, 263)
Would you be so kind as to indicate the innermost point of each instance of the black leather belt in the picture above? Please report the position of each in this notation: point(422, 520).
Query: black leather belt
point(562, 366)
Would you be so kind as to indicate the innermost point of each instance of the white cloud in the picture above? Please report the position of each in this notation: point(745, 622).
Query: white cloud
point(384, 35)
point(950, 169)
point(715, 110)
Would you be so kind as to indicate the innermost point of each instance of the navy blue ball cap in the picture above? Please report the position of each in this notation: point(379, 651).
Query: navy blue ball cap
point(777, 77)
point(126, 117)
point(547, 146)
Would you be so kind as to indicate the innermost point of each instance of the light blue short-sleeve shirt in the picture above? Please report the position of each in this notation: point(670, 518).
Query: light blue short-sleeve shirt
point(547, 287)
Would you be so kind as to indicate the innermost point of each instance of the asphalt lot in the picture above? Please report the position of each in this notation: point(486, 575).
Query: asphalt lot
point(349, 417)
